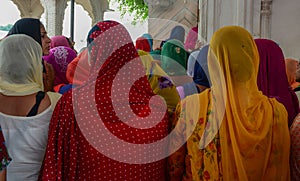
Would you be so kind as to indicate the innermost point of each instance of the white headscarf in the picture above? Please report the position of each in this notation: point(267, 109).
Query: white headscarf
point(21, 71)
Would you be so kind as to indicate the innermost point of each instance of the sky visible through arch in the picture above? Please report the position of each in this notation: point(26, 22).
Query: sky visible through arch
point(9, 14)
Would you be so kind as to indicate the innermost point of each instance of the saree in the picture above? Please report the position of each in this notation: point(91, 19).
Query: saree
point(272, 79)
point(233, 131)
point(99, 130)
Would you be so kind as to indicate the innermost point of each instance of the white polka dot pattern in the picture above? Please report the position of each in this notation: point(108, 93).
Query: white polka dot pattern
point(69, 155)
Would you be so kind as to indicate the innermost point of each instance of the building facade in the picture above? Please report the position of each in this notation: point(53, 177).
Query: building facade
point(273, 19)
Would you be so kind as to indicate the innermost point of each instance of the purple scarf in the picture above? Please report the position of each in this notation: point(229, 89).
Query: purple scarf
point(272, 78)
point(59, 58)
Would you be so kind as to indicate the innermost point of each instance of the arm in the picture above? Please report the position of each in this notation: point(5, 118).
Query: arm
point(176, 162)
point(3, 175)
point(48, 77)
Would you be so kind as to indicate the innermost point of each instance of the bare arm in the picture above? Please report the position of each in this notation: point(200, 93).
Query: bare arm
point(3, 175)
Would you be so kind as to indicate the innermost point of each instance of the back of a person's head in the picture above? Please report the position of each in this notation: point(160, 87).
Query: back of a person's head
point(272, 75)
point(249, 116)
point(59, 40)
point(59, 58)
point(20, 61)
point(201, 74)
point(142, 43)
point(291, 65)
point(105, 40)
point(174, 58)
point(191, 39)
point(27, 26)
point(236, 53)
point(272, 71)
point(149, 38)
point(178, 33)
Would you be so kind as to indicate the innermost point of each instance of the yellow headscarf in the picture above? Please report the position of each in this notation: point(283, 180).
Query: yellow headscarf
point(254, 136)
point(154, 72)
point(21, 70)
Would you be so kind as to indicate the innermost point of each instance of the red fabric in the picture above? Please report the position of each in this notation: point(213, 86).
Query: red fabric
point(81, 66)
point(142, 44)
point(272, 79)
point(57, 87)
point(69, 155)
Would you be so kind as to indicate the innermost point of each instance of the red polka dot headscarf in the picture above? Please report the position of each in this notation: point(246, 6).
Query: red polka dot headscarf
point(117, 76)
point(98, 131)
point(104, 39)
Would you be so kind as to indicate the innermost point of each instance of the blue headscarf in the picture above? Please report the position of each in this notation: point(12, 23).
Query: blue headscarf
point(177, 33)
point(201, 75)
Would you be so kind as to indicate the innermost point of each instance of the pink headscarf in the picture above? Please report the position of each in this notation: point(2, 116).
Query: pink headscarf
point(191, 39)
point(59, 40)
point(59, 58)
point(272, 79)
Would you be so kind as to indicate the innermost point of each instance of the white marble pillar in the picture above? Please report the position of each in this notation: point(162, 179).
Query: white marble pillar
point(202, 24)
point(55, 11)
point(265, 18)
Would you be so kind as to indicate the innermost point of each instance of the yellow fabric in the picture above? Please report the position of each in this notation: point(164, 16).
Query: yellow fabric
point(54, 98)
point(21, 70)
point(154, 72)
point(254, 136)
point(248, 139)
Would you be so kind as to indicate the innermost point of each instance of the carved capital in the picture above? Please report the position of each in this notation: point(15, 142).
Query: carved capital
point(266, 7)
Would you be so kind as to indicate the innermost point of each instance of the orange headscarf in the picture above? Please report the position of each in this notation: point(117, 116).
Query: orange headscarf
point(81, 67)
point(291, 69)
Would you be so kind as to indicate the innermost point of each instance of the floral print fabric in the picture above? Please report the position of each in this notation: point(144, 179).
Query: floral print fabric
point(4, 157)
point(190, 162)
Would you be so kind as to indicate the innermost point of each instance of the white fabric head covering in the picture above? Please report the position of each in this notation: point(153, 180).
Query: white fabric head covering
point(21, 71)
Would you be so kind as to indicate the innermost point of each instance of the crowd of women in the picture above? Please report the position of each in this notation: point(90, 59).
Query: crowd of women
point(124, 110)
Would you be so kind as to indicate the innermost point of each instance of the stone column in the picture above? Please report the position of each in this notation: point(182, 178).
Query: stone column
point(265, 18)
point(55, 11)
point(202, 24)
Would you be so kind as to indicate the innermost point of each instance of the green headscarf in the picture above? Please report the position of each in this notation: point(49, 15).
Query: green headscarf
point(174, 58)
